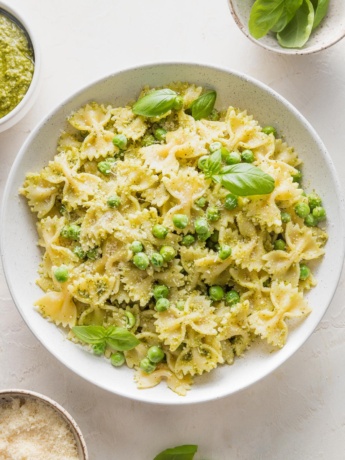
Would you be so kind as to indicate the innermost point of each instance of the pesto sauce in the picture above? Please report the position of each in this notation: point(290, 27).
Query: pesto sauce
point(16, 65)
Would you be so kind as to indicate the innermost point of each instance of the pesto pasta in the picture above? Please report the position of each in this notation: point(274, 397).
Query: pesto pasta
point(170, 241)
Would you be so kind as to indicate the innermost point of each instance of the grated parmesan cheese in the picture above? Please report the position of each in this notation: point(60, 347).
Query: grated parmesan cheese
point(32, 430)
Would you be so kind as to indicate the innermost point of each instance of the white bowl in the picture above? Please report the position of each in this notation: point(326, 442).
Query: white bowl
point(21, 256)
point(7, 396)
point(330, 31)
point(28, 100)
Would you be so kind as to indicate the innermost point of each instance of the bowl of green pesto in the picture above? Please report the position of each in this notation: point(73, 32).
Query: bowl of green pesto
point(295, 27)
point(19, 67)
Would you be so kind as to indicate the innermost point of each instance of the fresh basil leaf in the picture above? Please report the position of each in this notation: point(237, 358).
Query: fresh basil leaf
point(120, 339)
point(245, 179)
point(298, 30)
point(90, 334)
point(264, 15)
point(290, 8)
point(185, 452)
point(213, 164)
point(320, 8)
point(156, 103)
point(203, 106)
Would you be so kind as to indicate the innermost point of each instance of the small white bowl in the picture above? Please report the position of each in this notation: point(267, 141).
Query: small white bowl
point(9, 395)
point(21, 255)
point(28, 100)
point(330, 31)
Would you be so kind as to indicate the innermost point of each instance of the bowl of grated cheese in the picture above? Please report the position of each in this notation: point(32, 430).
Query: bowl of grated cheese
point(34, 426)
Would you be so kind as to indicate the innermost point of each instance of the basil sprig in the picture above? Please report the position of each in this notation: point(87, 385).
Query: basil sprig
point(185, 452)
point(117, 338)
point(155, 103)
point(292, 20)
point(203, 105)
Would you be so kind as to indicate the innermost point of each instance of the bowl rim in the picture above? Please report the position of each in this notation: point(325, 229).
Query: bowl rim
point(244, 77)
point(66, 416)
point(37, 66)
point(285, 51)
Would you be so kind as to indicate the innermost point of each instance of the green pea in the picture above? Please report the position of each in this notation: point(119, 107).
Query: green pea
point(120, 140)
point(285, 217)
point(204, 236)
point(61, 274)
point(136, 247)
point(279, 245)
point(162, 304)
point(168, 253)
point(202, 162)
point(92, 254)
point(155, 354)
point(232, 297)
point(180, 220)
point(297, 177)
point(157, 260)
point(114, 201)
point(160, 291)
point(147, 140)
point(214, 115)
point(215, 236)
point(159, 231)
point(231, 202)
point(215, 146)
point(188, 240)
point(304, 272)
point(201, 226)
point(216, 293)
point(99, 348)
point(247, 156)
point(311, 221)
point(141, 261)
point(319, 213)
point(302, 209)
point(213, 214)
point(104, 167)
point(130, 319)
point(180, 305)
point(117, 359)
point(78, 251)
point(178, 104)
point(201, 202)
point(72, 232)
point(147, 366)
point(233, 158)
point(269, 130)
point(160, 134)
point(224, 251)
point(314, 200)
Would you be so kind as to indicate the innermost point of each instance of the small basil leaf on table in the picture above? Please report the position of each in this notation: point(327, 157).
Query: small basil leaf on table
point(320, 8)
point(185, 452)
point(156, 103)
point(245, 179)
point(298, 30)
point(264, 15)
point(90, 334)
point(213, 164)
point(203, 105)
point(290, 8)
point(120, 339)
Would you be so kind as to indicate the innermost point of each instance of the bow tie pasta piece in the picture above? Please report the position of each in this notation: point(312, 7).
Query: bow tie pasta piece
point(127, 123)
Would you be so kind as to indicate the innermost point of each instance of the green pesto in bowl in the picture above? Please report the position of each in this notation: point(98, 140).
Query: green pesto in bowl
point(16, 64)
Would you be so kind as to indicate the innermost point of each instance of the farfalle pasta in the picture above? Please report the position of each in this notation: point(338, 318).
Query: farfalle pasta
point(183, 228)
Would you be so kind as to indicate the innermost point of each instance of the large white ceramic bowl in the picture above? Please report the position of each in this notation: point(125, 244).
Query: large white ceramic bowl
point(21, 255)
point(329, 32)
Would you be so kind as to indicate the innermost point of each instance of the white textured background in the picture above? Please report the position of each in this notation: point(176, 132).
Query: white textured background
point(298, 412)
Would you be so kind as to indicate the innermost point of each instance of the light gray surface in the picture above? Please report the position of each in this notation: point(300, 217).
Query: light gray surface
point(299, 411)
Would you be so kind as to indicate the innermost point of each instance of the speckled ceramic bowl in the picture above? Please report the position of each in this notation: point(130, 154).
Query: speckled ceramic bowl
point(330, 31)
point(8, 395)
point(28, 100)
point(21, 254)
